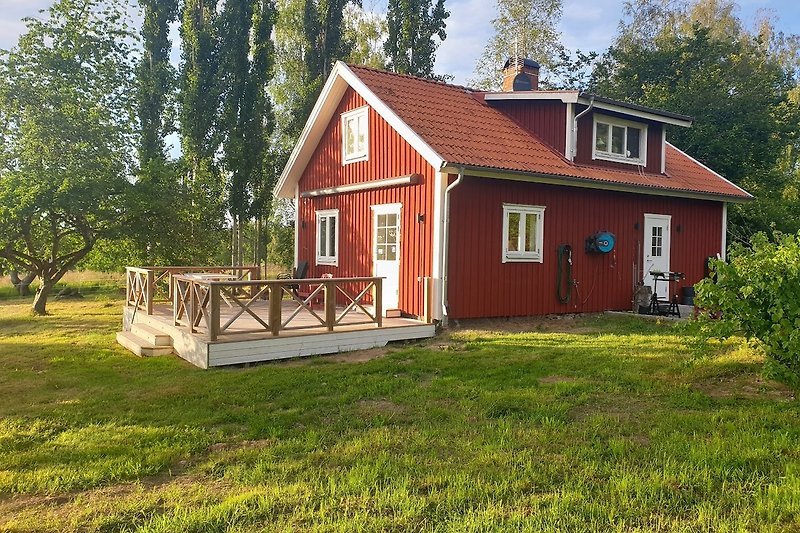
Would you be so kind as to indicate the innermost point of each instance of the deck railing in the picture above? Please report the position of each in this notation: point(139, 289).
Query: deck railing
point(197, 303)
point(146, 285)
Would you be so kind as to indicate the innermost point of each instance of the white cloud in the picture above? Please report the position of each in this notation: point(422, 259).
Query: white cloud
point(468, 29)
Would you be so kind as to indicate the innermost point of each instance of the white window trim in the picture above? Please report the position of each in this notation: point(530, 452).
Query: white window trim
point(523, 257)
point(364, 154)
point(330, 260)
point(609, 156)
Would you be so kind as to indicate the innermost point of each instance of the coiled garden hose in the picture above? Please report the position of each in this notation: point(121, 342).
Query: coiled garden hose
point(564, 273)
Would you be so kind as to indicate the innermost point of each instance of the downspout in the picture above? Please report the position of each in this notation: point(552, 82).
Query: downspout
point(574, 147)
point(446, 238)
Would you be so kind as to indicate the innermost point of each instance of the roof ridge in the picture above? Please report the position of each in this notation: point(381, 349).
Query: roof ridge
point(412, 77)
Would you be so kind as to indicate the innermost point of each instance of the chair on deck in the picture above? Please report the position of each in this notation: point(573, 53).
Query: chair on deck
point(298, 273)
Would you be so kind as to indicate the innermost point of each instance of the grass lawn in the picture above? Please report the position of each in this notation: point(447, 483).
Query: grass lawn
point(587, 424)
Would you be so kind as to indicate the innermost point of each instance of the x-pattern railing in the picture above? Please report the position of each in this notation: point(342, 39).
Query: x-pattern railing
point(198, 303)
point(159, 285)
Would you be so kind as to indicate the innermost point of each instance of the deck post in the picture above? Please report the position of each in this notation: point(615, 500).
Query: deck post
point(275, 297)
point(379, 302)
point(214, 299)
point(150, 288)
point(330, 304)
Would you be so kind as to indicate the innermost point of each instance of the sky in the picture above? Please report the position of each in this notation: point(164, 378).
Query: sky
point(588, 25)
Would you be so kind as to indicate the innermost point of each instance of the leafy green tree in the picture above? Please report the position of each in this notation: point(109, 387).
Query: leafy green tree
point(736, 86)
point(366, 32)
point(66, 135)
point(525, 28)
point(757, 294)
point(412, 27)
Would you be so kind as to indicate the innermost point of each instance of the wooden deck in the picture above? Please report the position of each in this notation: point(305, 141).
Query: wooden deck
point(218, 319)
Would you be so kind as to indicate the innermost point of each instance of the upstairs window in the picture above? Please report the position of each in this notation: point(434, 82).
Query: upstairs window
point(355, 136)
point(328, 237)
point(523, 233)
point(619, 140)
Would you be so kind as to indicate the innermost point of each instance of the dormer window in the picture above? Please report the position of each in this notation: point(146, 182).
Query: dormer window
point(355, 136)
point(619, 140)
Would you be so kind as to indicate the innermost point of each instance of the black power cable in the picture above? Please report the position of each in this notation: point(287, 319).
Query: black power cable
point(564, 271)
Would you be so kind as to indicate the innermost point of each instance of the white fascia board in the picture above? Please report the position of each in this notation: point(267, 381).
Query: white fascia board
point(317, 122)
point(585, 183)
point(637, 113)
point(717, 174)
point(411, 137)
point(567, 97)
point(340, 78)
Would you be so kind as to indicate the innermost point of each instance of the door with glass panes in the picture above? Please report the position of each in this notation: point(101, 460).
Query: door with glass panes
point(656, 250)
point(386, 251)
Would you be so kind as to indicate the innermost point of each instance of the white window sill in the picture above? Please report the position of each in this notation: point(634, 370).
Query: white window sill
point(531, 258)
point(620, 159)
point(355, 159)
point(327, 262)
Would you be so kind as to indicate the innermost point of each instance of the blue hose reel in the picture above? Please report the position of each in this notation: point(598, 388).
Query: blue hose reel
point(600, 243)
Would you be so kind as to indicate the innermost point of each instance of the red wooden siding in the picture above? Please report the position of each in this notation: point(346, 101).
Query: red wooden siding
point(546, 120)
point(389, 156)
point(480, 285)
point(585, 141)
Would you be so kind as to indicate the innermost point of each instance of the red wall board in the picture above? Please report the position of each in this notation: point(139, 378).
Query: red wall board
point(481, 285)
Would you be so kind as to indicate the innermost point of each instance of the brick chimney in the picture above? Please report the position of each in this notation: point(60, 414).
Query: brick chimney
point(520, 75)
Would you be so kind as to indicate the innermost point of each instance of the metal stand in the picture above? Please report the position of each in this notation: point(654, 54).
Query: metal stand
point(667, 307)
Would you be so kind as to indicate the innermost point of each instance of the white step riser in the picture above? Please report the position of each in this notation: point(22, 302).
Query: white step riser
point(141, 347)
point(151, 335)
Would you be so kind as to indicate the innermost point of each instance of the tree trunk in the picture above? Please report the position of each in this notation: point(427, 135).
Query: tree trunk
point(40, 300)
point(22, 284)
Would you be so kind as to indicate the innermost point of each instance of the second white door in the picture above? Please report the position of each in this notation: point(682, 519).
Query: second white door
point(386, 251)
point(656, 250)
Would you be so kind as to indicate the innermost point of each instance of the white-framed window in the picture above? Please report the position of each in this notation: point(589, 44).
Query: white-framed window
point(355, 135)
point(328, 237)
point(619, 140)
point(523, 233)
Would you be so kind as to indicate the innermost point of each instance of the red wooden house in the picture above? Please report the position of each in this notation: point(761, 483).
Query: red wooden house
point(464, 200)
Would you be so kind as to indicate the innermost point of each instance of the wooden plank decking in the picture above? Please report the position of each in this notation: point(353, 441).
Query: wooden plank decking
point(243, 343)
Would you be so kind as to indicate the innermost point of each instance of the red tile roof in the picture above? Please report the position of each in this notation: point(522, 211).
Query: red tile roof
point(464, 130)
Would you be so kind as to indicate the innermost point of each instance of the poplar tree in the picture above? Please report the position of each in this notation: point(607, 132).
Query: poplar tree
point(412, 27)
point(198, 113)
point(246, 56)
point(156, 79)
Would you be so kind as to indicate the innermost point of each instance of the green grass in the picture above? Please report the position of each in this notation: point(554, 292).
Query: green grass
point(591, 424)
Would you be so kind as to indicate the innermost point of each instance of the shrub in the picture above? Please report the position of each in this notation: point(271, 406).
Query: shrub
point(756, 293)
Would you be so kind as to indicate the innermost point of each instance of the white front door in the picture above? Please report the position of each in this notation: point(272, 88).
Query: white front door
point(386, 251)
point(656, 250)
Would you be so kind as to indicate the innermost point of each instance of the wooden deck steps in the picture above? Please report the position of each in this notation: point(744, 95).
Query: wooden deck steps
point(145, 341)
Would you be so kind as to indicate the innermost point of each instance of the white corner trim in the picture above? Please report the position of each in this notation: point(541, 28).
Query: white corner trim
point(663, 149)
point(568, 151)
point(409, 179)
point(724, 250)
point(296, 226)
point(717, 174)
point(440, 184)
